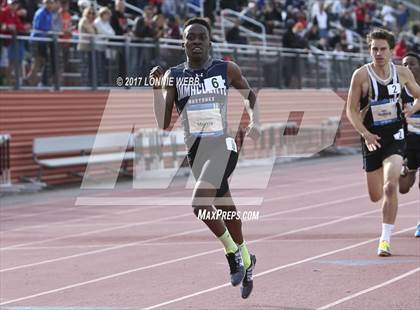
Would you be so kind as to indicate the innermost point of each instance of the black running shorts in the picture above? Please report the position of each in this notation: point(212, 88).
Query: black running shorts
point(412, 152)
point(213, 160)
point(389, 146)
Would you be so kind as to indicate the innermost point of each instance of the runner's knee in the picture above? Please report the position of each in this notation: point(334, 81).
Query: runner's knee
point(390, 188)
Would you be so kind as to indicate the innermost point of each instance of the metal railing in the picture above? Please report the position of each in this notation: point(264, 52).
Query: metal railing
point(97, 62)
point(225, 21)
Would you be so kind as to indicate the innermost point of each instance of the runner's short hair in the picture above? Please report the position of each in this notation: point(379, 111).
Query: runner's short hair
point(381, 34)
point(200, 21)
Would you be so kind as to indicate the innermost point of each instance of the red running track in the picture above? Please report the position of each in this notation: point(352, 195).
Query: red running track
point(315, 243)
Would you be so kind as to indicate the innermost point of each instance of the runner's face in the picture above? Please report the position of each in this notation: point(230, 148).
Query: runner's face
point(196, 42)
point(411, 63)
point(380, 52)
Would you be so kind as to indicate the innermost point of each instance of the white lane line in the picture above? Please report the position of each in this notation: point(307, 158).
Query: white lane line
point(115, 275)
point(370, 289)
point(26, 227)
point(269, 271)
point(121, 246)
point(155, 221)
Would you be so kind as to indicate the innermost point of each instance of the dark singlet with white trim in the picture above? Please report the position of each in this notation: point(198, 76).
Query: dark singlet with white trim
point(381, 106)
point(203, 105)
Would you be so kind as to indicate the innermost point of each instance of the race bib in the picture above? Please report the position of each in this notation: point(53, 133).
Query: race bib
point(215, 82)
point(394, 89)
point(205, 119)
point(399, 135)
point(414, 124)
point(231, 145)
point(384, 112)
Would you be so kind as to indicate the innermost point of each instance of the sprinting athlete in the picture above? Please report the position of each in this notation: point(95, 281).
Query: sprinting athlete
point(412, 153)
point(198, 88)
point(374, 109)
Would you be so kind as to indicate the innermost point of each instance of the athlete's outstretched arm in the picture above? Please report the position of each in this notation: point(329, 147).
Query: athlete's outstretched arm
point(353, 111)
point(163, 97)
point(237, 80)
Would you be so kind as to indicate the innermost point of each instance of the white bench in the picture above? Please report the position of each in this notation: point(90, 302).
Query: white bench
point(70, 151)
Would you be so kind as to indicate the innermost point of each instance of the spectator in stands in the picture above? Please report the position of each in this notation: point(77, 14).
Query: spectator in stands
point(118, 20)
point(102, 23)
point(233, 34)
point(83, 4)
point(402, 14)
point(159, 22)
point(30, 6)
point(158, 5)
point(67, 33)
point(321, 19)
point(41, 25)
point(360, 13)
point(174, 30)
point(312, 35)
point(291, 39)
point(104, 55)
point(56, 22)
point(87, 31)
point(387, 14)
point(169, 8)
point(12, 50)
point(119, 23)
point(251, 11)
point(323, 45)
point(336, 8)
point(346, 20)
point(209, 6)
point(400, 49)
point(142, 28)
point(271, 17)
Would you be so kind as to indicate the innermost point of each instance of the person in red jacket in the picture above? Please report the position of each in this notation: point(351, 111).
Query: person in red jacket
point(11, 51)
point(400, 49)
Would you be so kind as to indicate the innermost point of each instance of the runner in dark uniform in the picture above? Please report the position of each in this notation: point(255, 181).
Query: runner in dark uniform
point(412, 130)
point(373, 108)
point(198, 88)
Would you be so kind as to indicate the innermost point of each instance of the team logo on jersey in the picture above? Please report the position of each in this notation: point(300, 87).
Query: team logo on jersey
point(212, 85)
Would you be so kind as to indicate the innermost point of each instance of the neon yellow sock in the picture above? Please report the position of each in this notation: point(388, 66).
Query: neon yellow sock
point(228, 243)
point(245, 255)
